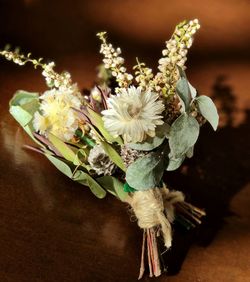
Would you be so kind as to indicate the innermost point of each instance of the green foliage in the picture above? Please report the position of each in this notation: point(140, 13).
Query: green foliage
point(175, 163)
point(152, 142)
point(193, 91)
point(22, 97)
point(185, 129)
point(22, 116)
point(190, 152)
point(63, 149)
point(23, 105)
point(81, 156)
point(146, 172)
point(60, 165)
point(72, 155)
point(85, 179)
point(208, 110)
point(183, 134)
point(113, 186)
point(97, 121)
point(113, 155)
point(185, 90)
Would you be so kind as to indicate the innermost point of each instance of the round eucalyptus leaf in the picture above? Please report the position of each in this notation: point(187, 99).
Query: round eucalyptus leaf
point(183, 134)
point(146, 172)
point(208, 109)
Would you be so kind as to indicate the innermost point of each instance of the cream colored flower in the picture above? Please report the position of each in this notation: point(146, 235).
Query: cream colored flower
point(134, 114)
point(56, 115)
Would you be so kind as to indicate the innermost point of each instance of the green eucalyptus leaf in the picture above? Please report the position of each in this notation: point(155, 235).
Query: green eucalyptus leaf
point(190, 152)
point(113, 155)
point(193, 91)
point(152, 142)
point(175, 163)
point(183, 134)
point(64, 149)
point(20, 115)
point(28, 101)
point(113, 186)
point(146, 172)
point(181, 72)
point(25, 120)
point(96, 119)
point(208, 109)
point(184, 93)
point(85, 179)
point(60, 165)
point(22, 97)
point(23, 105)
point(31, 107)
point(184, 89)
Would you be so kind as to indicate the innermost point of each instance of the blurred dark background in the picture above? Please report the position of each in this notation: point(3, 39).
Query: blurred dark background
point(58, 28)
point(52, 229)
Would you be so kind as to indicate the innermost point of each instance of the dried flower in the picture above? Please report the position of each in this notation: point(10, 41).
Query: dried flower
point(134, 114)
point(113, 61)
point(143, 74)
point(56, 115)
point(100, 161)
point(129, 155)
point(53, 79)
point(96, 94)
point(174, 54)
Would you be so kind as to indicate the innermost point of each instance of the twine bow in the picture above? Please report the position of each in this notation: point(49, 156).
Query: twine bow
point(155, 207)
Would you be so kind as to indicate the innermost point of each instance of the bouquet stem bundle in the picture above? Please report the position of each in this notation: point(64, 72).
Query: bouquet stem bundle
point(156, 209)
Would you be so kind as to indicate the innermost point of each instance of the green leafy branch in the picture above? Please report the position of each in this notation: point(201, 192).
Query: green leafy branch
point(66, 159)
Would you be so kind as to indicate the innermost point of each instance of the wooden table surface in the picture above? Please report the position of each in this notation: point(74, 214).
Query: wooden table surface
point(52, 229)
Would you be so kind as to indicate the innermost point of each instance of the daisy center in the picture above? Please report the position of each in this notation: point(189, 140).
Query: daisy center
point(134, 111)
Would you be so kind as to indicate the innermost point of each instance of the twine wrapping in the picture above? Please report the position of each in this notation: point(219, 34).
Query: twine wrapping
point(155, 207)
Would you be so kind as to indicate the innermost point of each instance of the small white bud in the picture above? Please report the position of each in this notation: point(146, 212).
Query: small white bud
point(129, 77)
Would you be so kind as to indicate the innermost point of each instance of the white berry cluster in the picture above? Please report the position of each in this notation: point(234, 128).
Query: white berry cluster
point(176, 47)
point(113, 61)
point(61, 81)
point(12, 56)
point(175, 54)
point(143, 75)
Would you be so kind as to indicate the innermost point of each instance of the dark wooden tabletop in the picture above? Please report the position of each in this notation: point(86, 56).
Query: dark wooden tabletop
point(52, 229)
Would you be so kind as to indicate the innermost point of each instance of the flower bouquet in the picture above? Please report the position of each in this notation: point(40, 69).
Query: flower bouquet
point(125, 135)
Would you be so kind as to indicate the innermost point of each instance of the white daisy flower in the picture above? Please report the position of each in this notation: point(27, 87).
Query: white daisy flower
point(134, 114)
point(56, 115)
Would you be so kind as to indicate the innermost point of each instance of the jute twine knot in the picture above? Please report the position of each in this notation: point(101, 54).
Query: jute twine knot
point(155, 207)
